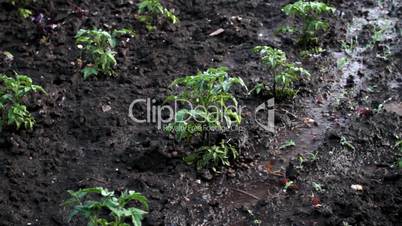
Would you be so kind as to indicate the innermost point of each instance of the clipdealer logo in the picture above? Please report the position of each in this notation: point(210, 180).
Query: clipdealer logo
point(264, 114)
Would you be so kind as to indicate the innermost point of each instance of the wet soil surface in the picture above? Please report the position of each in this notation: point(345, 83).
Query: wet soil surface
point(84, 137)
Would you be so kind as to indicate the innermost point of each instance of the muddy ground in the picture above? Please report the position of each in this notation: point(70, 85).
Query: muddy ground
point(84, 137)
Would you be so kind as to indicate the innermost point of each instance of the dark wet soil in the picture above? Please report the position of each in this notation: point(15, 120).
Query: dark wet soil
point(77, 143)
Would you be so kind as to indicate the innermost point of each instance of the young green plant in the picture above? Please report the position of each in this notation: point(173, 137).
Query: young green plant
point(310, 14)
point(150, 12)
point(13, 91)
point(284, 73)
point(346, 143)
point(288, 185)
point(378, 39)
point(102, 207)
point(213, 156)
point(213, 108)
point(317, 187)
point(98, 47)
point(22, 9)
point(255, 220)
point(287, 144)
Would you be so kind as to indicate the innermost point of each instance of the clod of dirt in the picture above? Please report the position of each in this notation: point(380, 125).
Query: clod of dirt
point(291, 172)
point(350, 82)
point(106, 108)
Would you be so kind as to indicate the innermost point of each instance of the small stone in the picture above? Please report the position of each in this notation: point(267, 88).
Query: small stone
point(106, 108)
point(357, 187)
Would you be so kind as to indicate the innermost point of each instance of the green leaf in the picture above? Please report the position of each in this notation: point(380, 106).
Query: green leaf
point(287, 144)
point(346, 143)
point(24, 13)
point(123, 32)
point(191, 158)
point(137, 216)
point(6, 98)
point(110, 58)
point(18, 115)
point(259, 87)
point(133, 196)
point(76, 210)
point(105, 202)
point(37, 89)
point(89, 71)
point(286, 29)
point(270, 56)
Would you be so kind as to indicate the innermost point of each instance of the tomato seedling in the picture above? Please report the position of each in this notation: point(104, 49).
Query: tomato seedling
point(310, 14)
point(287, 144)
point(284, 73)
point(213, 156)
point(12, 108)
point(22, 9)
point(96, 203)
point(344, 142)
point(212, 105)
point(150, 12)
point(98, 46)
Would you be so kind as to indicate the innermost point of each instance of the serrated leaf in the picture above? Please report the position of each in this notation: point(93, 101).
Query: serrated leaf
point(89, 71)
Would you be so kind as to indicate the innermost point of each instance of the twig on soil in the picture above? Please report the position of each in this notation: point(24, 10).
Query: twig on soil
point(277, 173)
point(289, 113)
point(246, 193)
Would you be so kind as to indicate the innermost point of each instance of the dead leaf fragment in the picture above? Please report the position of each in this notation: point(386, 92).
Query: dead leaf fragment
point(8, 56)
point(217, 32)
point(309, 122)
